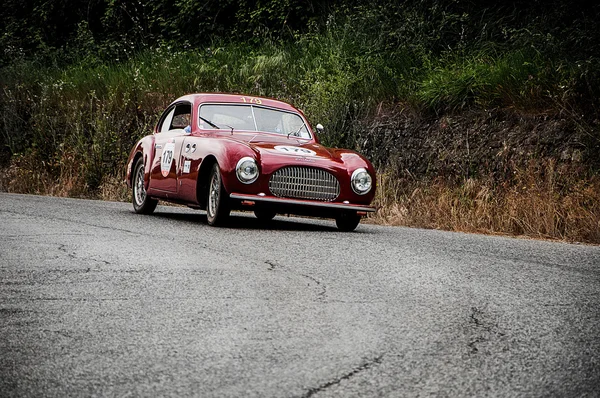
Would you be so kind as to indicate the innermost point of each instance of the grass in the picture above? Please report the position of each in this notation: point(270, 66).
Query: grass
point(519, 79)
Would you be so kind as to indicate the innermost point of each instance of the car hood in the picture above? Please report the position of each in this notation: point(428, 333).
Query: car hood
point(289, 150)
point(294, 149)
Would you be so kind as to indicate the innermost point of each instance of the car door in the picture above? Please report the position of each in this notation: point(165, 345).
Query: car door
point(172, 131)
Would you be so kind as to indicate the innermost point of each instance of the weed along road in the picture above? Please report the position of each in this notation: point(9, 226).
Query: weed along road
point(96, 300)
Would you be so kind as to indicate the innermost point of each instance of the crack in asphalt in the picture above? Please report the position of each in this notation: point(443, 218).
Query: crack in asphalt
point(94, 299)
point(558, 305)
point(360, 368)
point(19, 236)
point(475, 314)
point(358, 301)
point(63, 333)
point(473, 344)
point(323, 290)
point(483, 329)
point(13, 311)
point(45, 217)
point(63, 248)
point(179, 240)
point(474, 319)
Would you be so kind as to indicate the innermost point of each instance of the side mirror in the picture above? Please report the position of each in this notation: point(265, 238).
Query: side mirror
point(320, 128)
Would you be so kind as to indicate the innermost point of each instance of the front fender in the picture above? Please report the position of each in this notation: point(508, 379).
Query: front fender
point(352, 161)
point(227, 154)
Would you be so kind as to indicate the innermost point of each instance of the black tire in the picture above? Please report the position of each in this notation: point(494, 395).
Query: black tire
point(347, 221)
point(142, 203)
point(217, 200)
point(264, 215)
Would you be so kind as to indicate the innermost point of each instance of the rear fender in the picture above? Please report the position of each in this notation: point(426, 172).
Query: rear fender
point(143, 149)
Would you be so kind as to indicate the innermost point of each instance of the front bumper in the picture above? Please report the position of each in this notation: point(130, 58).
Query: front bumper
point(290, 203)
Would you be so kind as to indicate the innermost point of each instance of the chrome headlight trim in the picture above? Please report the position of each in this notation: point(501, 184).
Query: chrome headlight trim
point(361, 181)
point(246, 170)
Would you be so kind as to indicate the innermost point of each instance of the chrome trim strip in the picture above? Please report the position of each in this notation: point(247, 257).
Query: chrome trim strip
point(256, 198)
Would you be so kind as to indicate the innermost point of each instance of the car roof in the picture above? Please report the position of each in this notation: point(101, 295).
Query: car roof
point(199, 98)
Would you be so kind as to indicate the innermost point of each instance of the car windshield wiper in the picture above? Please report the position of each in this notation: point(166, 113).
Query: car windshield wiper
point(296, 133)
point(209, 122)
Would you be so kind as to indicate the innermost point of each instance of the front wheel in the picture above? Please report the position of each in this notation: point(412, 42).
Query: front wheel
point(217, 203)
point(142, 203)
point(347, 222)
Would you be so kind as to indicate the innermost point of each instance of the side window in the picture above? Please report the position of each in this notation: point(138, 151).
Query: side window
point(182, 117)
point(166, 122)
point(178, 117)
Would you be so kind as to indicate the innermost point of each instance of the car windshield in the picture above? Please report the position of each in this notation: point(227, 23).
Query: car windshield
point(252, 118)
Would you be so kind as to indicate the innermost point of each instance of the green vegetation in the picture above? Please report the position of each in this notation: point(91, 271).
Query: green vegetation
point(81, 83)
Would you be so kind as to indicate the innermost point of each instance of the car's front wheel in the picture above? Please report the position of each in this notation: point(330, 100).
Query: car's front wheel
point(217, 202)
point(142, 203)
point(347, 221)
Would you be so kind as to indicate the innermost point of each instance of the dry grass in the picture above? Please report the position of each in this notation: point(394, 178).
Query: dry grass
point(115, 189)
point(27, 174)
point(541, 201)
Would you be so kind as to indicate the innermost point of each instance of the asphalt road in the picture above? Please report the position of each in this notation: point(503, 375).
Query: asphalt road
point(98, 301)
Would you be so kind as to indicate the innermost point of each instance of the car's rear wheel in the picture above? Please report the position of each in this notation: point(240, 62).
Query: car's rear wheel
point(142, 203)
point(217, 202)
point(347, 221)
point(264, 215)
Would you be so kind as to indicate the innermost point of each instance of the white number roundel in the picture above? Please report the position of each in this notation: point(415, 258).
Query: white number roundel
point(167, 159)
point(295, 150)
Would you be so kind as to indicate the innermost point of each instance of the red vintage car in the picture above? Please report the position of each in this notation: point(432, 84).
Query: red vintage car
point(223, 152)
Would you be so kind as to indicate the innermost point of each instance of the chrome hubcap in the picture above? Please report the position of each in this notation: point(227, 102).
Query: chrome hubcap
point(140, 191)
point(214, 194)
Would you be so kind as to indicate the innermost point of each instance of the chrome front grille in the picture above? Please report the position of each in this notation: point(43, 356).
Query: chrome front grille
point(304, 183)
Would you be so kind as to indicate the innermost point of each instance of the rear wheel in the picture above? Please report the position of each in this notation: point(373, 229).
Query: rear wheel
point(142, 203)
point(347, 221)
point(217, 203)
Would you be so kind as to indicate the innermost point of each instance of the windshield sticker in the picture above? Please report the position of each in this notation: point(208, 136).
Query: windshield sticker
point(257, 101)
point(167, 159)
point(294, 150)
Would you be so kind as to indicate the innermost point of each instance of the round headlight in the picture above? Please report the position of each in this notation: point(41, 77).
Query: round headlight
point(247, 170)
point(361, 181)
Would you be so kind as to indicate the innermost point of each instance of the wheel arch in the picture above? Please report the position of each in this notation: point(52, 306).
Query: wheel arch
point(136, 157)
point(203, 177)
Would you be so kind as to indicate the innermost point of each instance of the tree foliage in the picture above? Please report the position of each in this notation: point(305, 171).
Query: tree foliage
point(116, 28)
